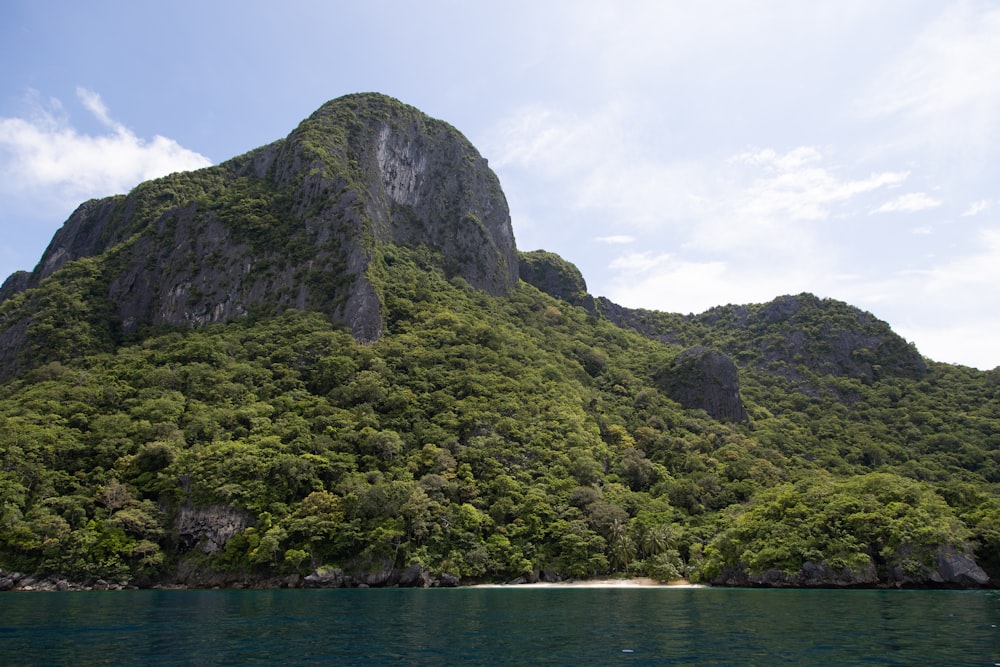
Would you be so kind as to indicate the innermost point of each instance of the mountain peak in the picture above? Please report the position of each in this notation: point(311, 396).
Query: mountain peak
point(296, 224)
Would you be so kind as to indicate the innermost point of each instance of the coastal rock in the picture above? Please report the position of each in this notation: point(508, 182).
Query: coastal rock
point(415, 576)
point(380, 578)
point(208, 528)
point(959, 568)
point(950, 568)
point(825, 336)
point(812, 575)
point(15, 282)
point(549, 576)
point(790, 334)
point(325, 578)
point(822, 575)
point(446, 580)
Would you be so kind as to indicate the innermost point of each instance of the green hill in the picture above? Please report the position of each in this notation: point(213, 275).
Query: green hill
point(325, 363)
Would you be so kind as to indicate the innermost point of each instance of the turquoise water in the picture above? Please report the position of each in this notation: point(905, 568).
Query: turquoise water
point(516, 626)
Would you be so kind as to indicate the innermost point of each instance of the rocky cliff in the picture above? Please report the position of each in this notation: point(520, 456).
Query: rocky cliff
point(299, 223)
point(705, 379)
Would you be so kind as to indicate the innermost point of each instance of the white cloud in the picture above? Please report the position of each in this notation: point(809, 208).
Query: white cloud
point(975, 208)
point(771, 159)
point(674, 284)
point(792, 187)
point(944, 89)
point(95, 105)
point(667, 283)
point(46, 162)
point(965, 281)
point(595, 162)
point(760, 207)
point(599, 163)
point(617, 239)
point(908, 203)
point(771, 206)
point(724, 225)
point(948, 308)
point(550, 141)
point(641, 262)
point(968, 343)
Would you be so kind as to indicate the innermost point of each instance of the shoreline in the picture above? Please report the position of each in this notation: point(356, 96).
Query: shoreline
point(55, 583)
point(632, 582)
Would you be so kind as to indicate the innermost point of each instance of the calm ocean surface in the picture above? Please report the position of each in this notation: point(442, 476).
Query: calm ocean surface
point(512, 626)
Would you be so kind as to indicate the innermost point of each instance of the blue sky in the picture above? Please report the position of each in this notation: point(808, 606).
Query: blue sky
point(682, 154)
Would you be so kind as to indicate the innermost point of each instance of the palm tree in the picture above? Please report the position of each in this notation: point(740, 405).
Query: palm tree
point(620, 544)
point(656, 539)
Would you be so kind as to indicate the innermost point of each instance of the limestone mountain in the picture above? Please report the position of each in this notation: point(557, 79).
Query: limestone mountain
point(295, 224)
point(326, 363)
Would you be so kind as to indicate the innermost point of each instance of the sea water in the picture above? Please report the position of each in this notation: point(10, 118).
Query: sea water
point(501, 626)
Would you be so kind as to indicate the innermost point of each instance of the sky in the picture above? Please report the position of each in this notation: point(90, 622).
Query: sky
point(682, 154)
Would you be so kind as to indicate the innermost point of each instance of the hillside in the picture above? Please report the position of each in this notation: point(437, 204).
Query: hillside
point(325, 363)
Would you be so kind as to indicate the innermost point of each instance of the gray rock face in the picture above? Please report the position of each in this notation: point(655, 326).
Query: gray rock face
point(702, 378)
point(295, 224)
point(208, 528)
point(438, 191)
point(327, 578)
point(812, 575)
point(957, 568)
point(15, 282)
point(448, 580)
point(414, 576)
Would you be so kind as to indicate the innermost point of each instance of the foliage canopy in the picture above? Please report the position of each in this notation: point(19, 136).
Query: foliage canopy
point(487, 437)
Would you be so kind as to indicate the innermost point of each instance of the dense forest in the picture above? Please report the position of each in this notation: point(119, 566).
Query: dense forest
point(486, 437)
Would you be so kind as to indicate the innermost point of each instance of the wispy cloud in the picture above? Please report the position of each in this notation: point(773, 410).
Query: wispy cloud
point(944, 89)
point(971, 274)
point(740, 190)
point(641, 262)
point(598, 164)
point(977, 207)
point(95, 105)
point(46, 161)
point(677, 284)
point(797, 186)
point(729, 220)
point(908, 203)
point(617, 239)
point(962, 324)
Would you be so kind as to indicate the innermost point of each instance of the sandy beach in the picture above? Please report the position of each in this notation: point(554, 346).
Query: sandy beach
point(634, 582)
